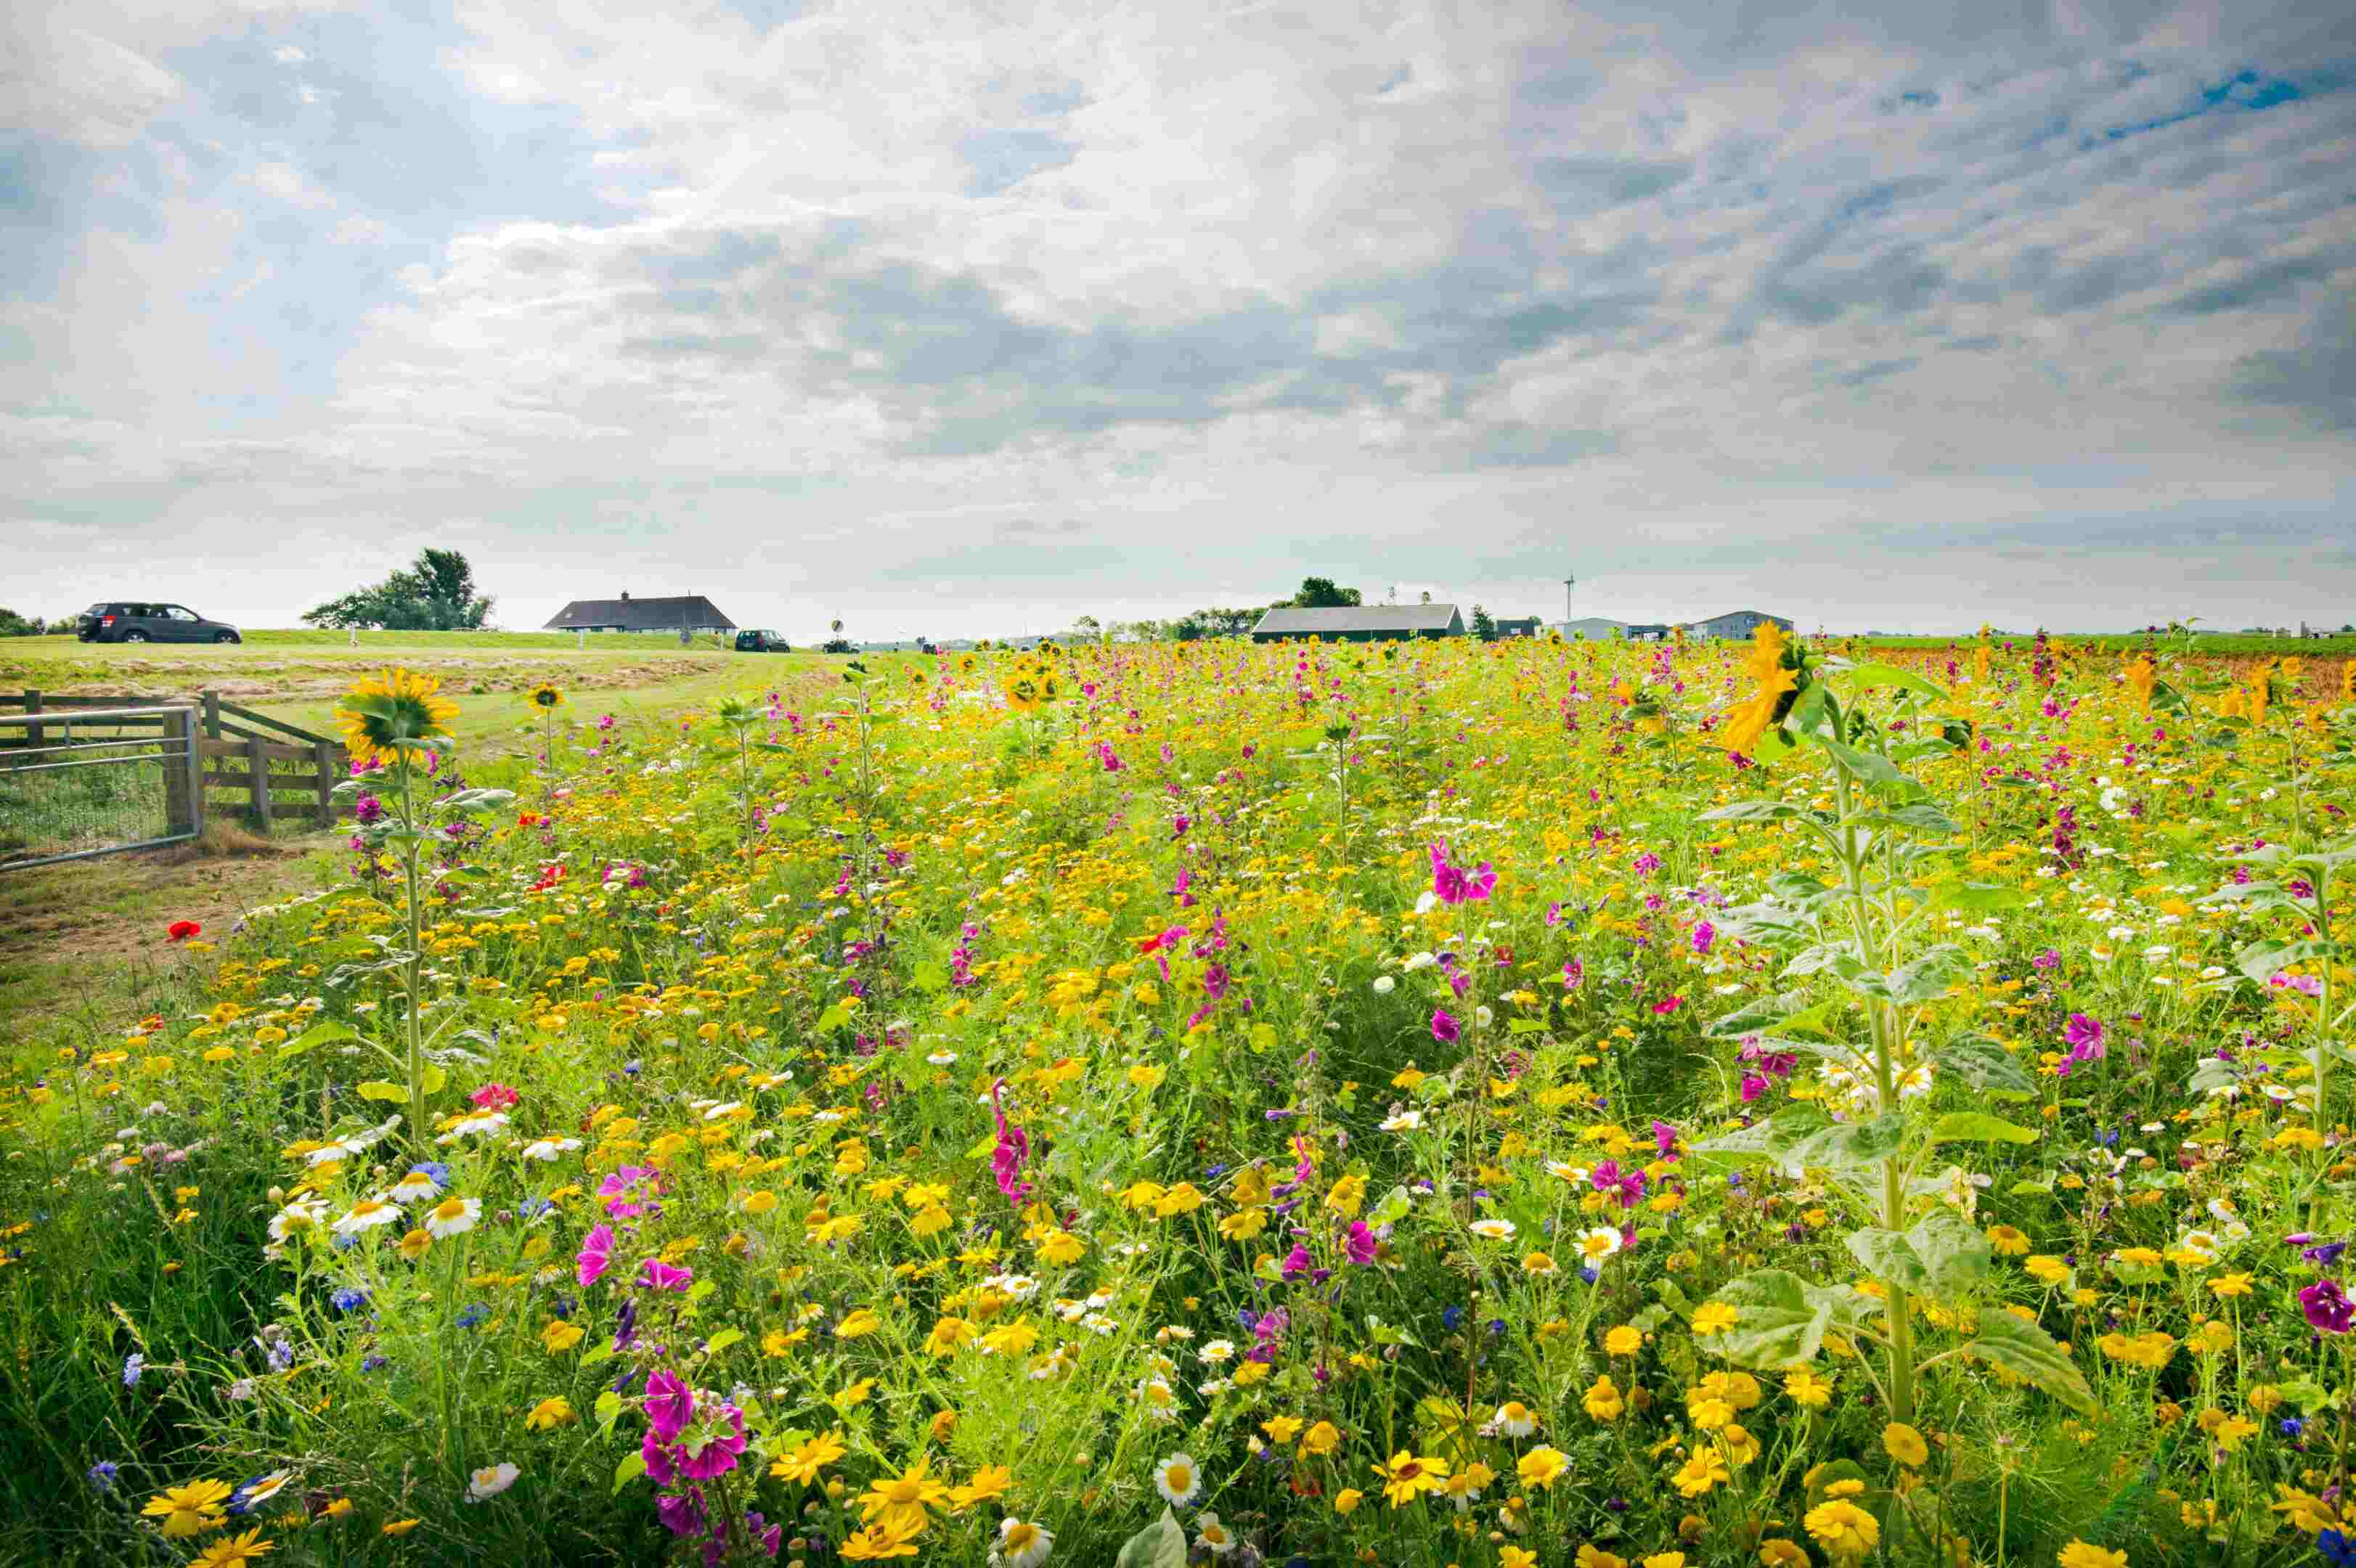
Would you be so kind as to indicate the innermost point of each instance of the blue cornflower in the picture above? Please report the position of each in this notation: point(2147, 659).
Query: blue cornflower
point(101, 1475)
point(473, 1315)
point(2336, 1549)
point(374, 1363)
point(434, 1169)
point(533, 1208)
point(347, 1297)
point(132, 1365)
point(1450, 1316)
point(2292, 1426)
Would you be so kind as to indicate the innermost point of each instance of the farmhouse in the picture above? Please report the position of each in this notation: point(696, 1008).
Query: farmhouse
point(694, 613)
point(1734, 624)
point(1360, 623)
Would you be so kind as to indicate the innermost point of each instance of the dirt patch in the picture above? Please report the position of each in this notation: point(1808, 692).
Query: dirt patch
point(114, 906)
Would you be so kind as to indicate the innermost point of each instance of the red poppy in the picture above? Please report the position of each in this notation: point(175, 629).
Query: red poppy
point(181, 929)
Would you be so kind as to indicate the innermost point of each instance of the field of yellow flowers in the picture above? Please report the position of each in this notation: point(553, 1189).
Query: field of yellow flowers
point(1446, 1103)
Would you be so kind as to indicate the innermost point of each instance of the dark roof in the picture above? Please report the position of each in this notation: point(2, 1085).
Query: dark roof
point(640, 615)
point(1286, 621)
point(1738, 615)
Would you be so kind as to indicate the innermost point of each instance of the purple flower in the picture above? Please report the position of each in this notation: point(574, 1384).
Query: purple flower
point(1574, 973)
point(717, 1454)
point(1455, 884)
point(619, 1191)
point(2049, 959)
point(1014, 1148)
point(1704, 934)
point(2327, 1306)
point(1445, 1029)
point(670, 1404)
point(1360, 1244)
point(1297, 1261)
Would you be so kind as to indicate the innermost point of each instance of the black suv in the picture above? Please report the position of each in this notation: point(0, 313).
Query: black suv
point(761, 643)
point(136, 620)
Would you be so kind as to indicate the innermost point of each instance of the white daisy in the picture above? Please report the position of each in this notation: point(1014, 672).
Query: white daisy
point(1210, 1533)
point(1021, 1543)
point(453, 1216)
point(549, 1148)
point(1177, 1479)
point(367, 1215)
point(490, 1481)
point(1494, 1230)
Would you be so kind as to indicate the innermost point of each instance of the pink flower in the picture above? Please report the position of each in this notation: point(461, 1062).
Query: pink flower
point(657, 1275)
point(620, 1191)
point(1455, 884)
point(596, 1255)
point(494, 1096)
point(716, 1453)
point(1361, 1244)
point(670, 1404)
point(1444, 1029)
point(1014, 1148)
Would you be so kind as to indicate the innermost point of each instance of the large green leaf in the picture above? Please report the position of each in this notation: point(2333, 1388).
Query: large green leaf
point(1978, 898)
point(1768, 1138)
point(1978, 1128)
point(1781, 1319)
point(1936, 971)
point(1849, 1146)
point(1985, 1066)
point(326, 1031)
point(1162, 1544)
point(1752, 811)
point(2024, 1350)
point(2262, 961)
point(1942, 1255)
point(1876, 772)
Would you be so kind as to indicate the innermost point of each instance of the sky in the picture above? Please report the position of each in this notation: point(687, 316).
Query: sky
point(969, 319)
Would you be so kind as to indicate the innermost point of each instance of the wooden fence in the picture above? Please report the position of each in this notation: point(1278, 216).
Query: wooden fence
point(261, 759)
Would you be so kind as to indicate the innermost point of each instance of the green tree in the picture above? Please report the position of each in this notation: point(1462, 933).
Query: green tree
point(1322, 593)
point(435, 592)
point(12, 625)
point(1215, 622)
point(1485, 625)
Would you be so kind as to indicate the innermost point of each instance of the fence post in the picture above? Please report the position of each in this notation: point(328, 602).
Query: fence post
point(34, 732)
point(212, 715)
point(180, 729)
point(258, 781)
point(322, 753)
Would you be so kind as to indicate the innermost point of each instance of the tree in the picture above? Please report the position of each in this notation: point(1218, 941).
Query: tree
point(1485, 625)
point(435, 592)
point(1321, 593)
point(12, 625)
point(1215, 622)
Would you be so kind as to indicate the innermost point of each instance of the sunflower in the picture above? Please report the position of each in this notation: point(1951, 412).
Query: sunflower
point(545, 695)
point(1022, 689)
point(384, 719)
point(1774, 683)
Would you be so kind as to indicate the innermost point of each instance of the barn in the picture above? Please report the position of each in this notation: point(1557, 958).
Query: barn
point(1360, 622)
point(693, 612)
point(1518, 626)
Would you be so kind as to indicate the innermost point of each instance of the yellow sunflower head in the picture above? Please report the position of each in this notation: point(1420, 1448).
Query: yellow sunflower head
point(545, 695)
point(385, 718)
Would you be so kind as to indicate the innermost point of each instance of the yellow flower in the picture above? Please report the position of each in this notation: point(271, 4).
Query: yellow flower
point(389, 718)
point(1516, 1557)
point(880, 1541)
point(1321, 1439)
point(1282, 1429)
point(1596, 1557)
point(1541, 1467)
point(1702, 1470)
point(2047, 1269)
point(1625, 1340)
point(898, 1502)
point(803, 1465)
point(560, 1336)
point(1715, 1316)
point(2231, 1284)
point(1062, 1247)
point(1408, 1476)
point(190, 1510)
point(398, 1527)
point(2079, 1554)
point(1666, 1560)
point(857, 1324)
point(1602, 1400)
point(1347, 1499)
point(1781, 1554)
point(552, 1412)
point(233, 1552)
point(1842, 1528)
point(1904, 1443)
point(1808, 1390)
point(989, 1482)
point(545, 697)
point(2007, 1241)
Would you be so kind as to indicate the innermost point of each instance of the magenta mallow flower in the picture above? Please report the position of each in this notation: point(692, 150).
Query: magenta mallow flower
point(1455, 884)
point(620, 1190)
point(1704, 934)
point(1360, 1244)
point(670, 1404)
point(715, 1450)
point(657, 1275)
point(1014, 1148)
point(492, 1097)
point(1444, 1028)
point(596, 1255)
point(2327, 1307)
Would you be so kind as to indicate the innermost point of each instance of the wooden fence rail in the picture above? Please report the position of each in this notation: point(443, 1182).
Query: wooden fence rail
point(263, 759)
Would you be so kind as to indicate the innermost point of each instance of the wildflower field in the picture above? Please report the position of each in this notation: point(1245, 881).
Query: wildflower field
point(1517, 1104)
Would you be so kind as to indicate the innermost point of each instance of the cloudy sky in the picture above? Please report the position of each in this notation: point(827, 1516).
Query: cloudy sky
point(968, 318)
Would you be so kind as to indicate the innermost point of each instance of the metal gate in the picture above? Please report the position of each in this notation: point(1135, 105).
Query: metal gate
point(90, 780)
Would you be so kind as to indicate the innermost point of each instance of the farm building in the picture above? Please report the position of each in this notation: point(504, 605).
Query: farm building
point(1518, 625)
point(1593, 629)
point(1646, 631)
point(1360, 623)
point(1734, 624)
point(693, 612)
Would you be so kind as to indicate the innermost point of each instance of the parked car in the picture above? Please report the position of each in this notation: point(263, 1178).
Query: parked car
point(144, 621)
point(762, 643)
point(840, 646)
